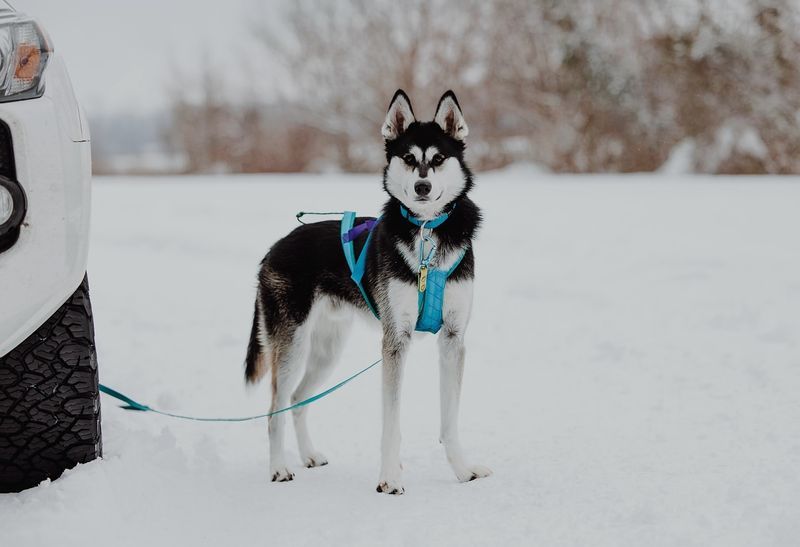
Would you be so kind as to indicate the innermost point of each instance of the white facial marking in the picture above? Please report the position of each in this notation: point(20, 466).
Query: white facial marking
point(430, 152)
point(417, 152)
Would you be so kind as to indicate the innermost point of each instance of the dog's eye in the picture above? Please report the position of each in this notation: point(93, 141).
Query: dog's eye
point(409, 159)
point(438, 159)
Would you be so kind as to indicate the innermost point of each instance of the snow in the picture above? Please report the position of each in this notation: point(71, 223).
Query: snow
point(633, 371)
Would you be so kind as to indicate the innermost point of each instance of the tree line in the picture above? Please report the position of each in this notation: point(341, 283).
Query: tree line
point(707, 86)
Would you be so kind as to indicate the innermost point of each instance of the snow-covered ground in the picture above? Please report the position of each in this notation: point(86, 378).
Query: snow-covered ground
point(633, 374)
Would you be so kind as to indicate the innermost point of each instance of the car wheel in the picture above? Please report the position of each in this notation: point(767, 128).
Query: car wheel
point(49, 399)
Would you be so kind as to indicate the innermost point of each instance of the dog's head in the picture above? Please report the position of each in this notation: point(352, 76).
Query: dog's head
point(425, 160)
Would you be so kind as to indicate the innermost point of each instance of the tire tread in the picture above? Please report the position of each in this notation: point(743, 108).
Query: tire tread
point(49, 398)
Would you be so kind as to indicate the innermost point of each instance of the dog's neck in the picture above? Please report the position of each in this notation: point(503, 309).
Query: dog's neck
point(429, 223)
point(453, 234)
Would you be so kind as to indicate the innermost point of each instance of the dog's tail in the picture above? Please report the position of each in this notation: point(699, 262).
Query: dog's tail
point(255, 364)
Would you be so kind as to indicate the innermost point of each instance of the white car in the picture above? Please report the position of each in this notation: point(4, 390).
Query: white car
point(49, 404)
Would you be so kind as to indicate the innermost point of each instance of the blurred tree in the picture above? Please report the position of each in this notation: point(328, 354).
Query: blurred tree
point(730, 88)
point(347, 58)
point(565, 77)
point(203, 129)
point(581, 86)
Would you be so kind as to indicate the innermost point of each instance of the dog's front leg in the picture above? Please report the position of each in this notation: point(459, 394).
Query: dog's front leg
point(458, 302)
point(394, 353)
point(398, 324)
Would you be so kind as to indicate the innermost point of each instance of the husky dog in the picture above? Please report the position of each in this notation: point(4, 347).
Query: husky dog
point(306, 298)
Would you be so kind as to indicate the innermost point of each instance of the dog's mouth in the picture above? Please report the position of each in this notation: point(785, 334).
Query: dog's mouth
point(426, 198)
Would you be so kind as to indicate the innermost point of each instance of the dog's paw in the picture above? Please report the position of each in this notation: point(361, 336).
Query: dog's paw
point(473, 472)
point(281, 474)
point(390, 487)
point(314, 459)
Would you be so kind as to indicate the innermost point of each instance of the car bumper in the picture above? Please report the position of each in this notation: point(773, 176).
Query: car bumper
point(53, 166)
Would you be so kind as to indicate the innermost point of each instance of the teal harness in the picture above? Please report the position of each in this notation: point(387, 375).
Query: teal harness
point(430, 281)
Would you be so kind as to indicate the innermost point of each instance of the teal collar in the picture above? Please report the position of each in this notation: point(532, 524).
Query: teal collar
point(433, 223)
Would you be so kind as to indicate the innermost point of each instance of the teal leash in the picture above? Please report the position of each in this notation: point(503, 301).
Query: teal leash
point(130, 404)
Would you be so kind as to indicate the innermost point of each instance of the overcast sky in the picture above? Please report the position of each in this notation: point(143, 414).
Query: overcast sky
point(122, 54)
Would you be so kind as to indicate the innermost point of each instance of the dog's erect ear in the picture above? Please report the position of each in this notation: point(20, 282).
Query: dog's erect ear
point(450, 118)
point(399, 116)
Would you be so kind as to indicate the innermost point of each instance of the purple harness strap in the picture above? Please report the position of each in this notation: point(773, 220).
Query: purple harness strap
point(353, 233)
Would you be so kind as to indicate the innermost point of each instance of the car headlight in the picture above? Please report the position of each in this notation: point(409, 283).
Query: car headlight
point(24, 51)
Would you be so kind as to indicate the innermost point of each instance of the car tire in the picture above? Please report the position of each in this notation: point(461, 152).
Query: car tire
point(49, 398)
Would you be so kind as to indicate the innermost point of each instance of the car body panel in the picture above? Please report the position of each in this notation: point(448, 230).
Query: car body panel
point(53, 164)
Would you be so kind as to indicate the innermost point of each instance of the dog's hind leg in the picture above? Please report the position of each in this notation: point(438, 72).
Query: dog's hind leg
point(286, 370)
point(458, 301)
point(326, 340)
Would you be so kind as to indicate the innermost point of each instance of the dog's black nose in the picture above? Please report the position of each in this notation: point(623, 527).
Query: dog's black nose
point(422, 187)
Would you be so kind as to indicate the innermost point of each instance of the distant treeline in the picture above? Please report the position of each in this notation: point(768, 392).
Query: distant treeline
point(578, 86)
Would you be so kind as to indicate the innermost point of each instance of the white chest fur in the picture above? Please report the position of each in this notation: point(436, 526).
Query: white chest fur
point(441, 260)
